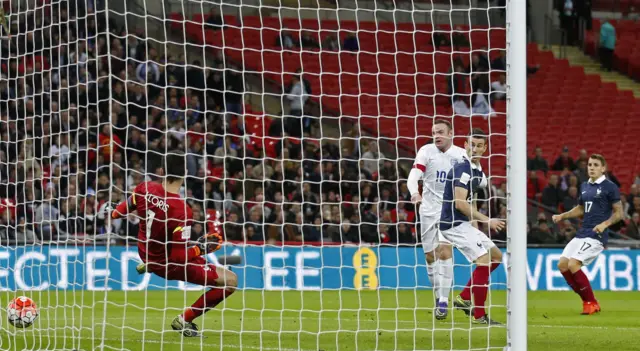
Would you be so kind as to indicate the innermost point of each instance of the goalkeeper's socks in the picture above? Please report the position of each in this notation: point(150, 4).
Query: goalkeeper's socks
point(584, 287)
point(431, 272)
point(480, 287)
point(207, 301)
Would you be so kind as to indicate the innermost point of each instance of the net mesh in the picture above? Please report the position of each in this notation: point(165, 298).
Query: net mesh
point(300, 122)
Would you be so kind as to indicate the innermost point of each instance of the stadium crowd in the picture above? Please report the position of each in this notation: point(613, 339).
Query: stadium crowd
point(87, 111)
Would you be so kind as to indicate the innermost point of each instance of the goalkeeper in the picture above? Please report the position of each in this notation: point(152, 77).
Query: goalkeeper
point(164, 247)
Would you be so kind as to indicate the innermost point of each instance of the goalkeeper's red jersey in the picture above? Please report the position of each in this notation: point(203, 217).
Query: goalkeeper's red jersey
point(165, 224)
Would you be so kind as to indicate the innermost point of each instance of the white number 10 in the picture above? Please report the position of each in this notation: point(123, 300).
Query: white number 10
point(587, 206)
point(150, 216)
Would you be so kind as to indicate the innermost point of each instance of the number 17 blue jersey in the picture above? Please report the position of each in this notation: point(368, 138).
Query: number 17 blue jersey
point(597, 198)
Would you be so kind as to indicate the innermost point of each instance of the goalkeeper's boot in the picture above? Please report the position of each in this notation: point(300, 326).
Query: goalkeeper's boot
point(141, 268)
point(188, 329)
point(463, 305)
point(589, 308)
point(442, 309)
point(485, 320)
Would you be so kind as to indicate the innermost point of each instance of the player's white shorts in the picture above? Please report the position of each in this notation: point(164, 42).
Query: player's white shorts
point(584, 250)
point(429, 233)
point(469, 240)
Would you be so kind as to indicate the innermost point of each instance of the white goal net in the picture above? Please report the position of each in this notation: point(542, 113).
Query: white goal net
point(300, 121)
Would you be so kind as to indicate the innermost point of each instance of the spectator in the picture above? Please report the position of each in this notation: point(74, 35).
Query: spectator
point(564, 161)
point(542, 234)
point(372, 158)
point(607, 45)
point(286, 40)
point(552, 195)
point(499, 88)
point(234, 97)
point(581, 172)
point(567, 232)
point(309, 40)
point(330, 43)
point(633, 227)
point(458, 88)
point(571, 199)
point(351, 43)
point(46, 215)
point(582, 156)
point(635, 205)
point(534, 185)
point(538, 163)
point(214, 20)
point(297, 96)
point(625, 207)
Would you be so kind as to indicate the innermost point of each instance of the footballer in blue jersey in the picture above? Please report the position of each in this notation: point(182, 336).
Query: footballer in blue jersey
point(599, 205)
point(458, 211)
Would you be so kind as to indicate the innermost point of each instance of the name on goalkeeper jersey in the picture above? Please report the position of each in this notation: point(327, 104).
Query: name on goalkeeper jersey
point(157, 202)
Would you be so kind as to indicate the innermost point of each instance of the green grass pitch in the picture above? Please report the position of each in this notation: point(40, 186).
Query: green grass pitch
point(310, 320)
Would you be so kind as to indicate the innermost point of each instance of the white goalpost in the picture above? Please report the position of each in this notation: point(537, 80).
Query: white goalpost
point(300, 121)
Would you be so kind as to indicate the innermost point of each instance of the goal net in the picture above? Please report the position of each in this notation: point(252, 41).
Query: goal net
point(300, 121)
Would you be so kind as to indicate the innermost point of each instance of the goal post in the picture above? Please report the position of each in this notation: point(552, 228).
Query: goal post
point(517, 172)
point(300, 121)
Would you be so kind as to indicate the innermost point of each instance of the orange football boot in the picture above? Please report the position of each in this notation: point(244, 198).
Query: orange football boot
point(589, 308)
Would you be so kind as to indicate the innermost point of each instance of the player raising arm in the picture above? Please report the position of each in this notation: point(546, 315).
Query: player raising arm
point(599, 203)
point(164, 242)
point(432, 164)
point(455, 223)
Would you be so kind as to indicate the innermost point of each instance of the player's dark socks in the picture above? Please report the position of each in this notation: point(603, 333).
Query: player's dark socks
point(480, 286)
point(466, 292)
point(207, 301)
point(568, 276)
point(494, 265)
point(584, 287)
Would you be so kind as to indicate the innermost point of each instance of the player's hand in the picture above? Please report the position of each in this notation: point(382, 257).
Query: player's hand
point(497, 224)
point(556, 218)
point(416, 199)
point(209, 243)
point(600, 227)
point(108, 210)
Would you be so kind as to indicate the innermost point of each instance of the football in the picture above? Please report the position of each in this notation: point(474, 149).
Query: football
point(22, 312)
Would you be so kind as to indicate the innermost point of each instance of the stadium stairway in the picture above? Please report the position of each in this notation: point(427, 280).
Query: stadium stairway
point(591, 66)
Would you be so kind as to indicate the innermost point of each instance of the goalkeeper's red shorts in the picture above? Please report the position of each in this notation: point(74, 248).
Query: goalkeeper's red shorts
point(197, 271)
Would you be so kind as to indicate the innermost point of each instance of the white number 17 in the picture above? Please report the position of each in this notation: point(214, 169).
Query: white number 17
point(150, 216)
point(587, 206)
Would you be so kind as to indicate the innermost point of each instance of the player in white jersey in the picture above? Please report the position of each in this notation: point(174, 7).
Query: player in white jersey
point(431, 165)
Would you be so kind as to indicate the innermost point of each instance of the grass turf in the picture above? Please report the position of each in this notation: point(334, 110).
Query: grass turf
point(327, 320)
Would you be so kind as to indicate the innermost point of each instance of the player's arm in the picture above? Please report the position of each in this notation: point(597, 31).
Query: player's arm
point(419, 166)
point(205, 244)
point(575, 212)
point(616, 216)
point(475, 207)
point(471, 211)
point(123, 208)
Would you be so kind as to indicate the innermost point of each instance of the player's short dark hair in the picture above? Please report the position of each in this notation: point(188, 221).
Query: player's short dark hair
point(175, 166)
point(478, 133)
point(599, 158)
point(443, 121)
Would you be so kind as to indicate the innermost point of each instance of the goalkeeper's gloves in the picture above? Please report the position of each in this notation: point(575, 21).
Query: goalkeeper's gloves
point(209, 243)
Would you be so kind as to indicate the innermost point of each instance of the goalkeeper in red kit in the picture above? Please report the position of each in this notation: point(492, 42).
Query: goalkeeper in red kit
point(165, 247)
